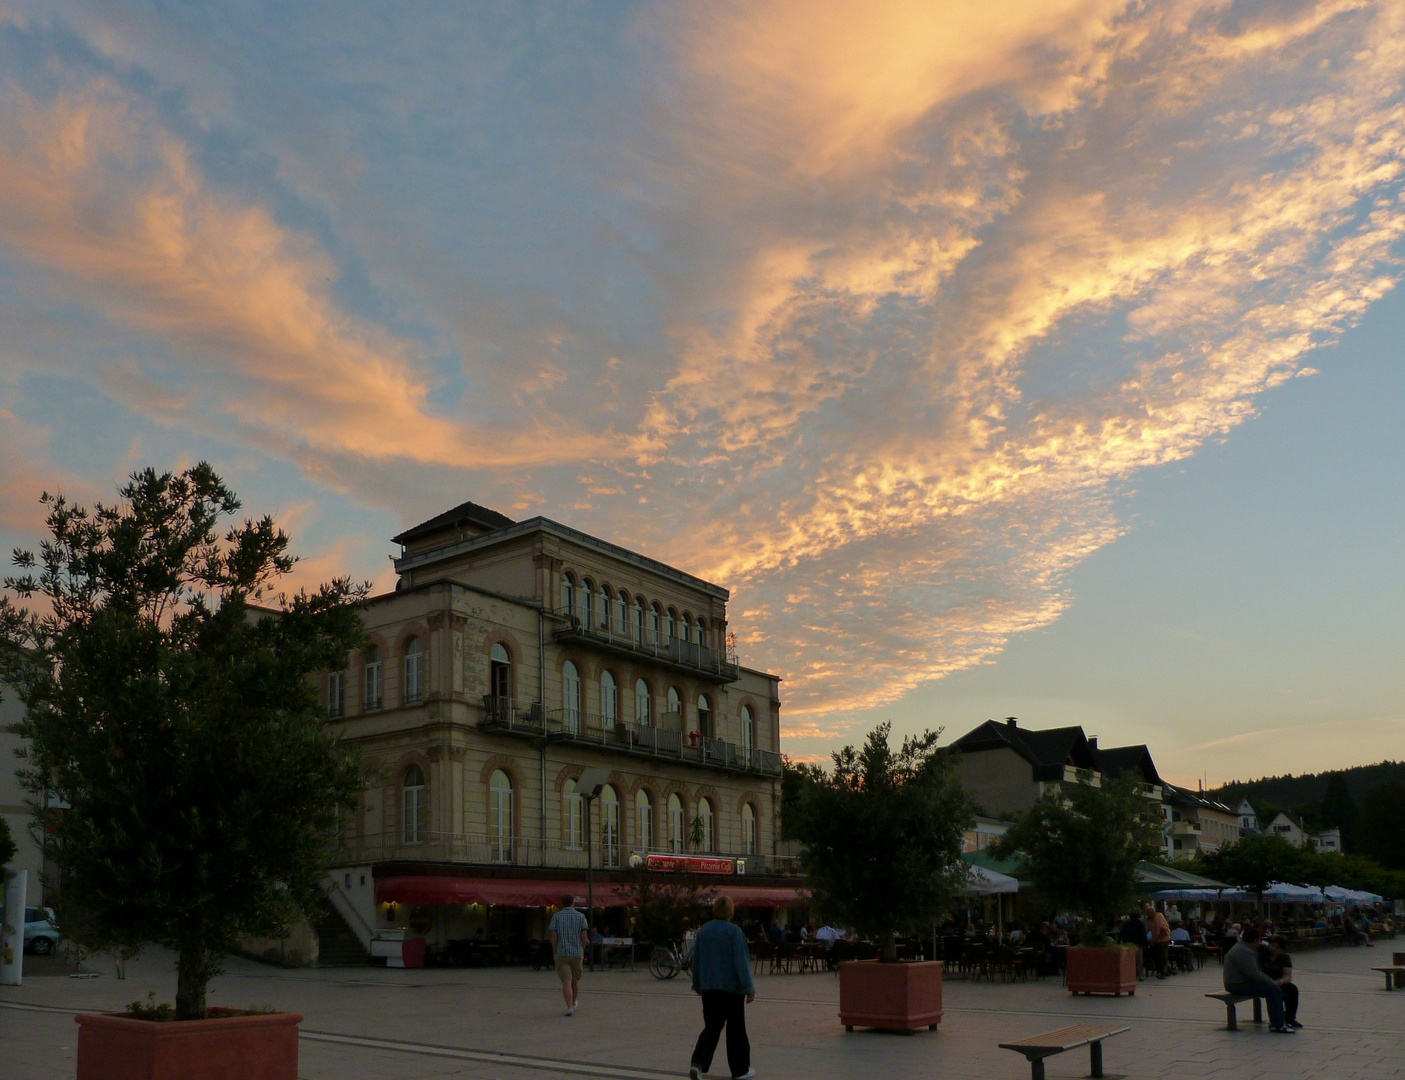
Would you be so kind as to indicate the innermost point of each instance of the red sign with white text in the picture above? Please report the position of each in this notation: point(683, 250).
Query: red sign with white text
point(690, 864)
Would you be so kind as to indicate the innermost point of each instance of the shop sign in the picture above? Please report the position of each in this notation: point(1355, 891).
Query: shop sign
point(690, 864)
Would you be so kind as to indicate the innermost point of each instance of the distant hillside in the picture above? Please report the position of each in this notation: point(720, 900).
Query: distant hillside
point(1301, 793)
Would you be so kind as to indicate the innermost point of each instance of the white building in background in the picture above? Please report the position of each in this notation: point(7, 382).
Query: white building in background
point(13, 806)
point(1248, 818)
point(1329, 842)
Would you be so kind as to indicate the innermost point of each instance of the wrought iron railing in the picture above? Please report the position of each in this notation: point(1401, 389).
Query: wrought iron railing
point(669, 650)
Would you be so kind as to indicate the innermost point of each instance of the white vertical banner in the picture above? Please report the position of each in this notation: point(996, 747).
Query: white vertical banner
point(12, 932)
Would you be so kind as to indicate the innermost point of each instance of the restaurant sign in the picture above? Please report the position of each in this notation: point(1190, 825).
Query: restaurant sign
point(690, 864)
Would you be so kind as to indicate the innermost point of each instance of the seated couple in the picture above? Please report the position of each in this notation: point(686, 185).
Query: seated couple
point(1264, 971)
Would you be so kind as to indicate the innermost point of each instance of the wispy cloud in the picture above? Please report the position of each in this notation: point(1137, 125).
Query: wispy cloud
point(870, 315)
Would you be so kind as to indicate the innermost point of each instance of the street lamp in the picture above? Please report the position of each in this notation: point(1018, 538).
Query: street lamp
point(589, 786)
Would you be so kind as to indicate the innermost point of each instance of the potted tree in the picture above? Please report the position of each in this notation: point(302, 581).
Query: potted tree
point(1082, 845)
point(178, 723)
point(882, 836)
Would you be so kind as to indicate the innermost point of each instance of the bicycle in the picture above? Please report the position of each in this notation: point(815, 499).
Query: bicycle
point(668, 960)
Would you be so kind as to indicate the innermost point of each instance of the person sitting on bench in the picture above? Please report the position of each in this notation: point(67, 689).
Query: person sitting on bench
point(1275, 962)
point(1242, 975)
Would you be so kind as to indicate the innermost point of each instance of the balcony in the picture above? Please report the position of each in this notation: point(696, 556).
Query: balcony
point(510, 717)
point(686, 656)
point(1185, 828)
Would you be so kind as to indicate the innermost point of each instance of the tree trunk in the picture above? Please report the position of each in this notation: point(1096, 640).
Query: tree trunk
point(889, 947)
point(193, 973)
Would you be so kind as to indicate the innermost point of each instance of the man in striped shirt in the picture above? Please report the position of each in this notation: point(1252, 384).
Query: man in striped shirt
point(569, 939)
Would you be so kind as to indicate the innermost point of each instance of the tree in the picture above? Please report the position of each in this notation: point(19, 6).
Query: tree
point(1255, 862)
point(1083, 844)
point(883, 835)
point(795, 778)
point(177, 719)
point(1380, 827)
point(7, 844)
point(1339, 810)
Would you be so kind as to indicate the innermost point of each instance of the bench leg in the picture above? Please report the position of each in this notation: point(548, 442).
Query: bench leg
point(1232, 1020)
point(1258, 1010)
point(1036, 1068)
point(1095, 1051)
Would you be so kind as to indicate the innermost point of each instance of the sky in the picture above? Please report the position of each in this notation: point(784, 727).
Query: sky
point(1032, 359)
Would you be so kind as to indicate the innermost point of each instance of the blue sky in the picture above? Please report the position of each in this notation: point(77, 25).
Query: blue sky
point(1032, 359)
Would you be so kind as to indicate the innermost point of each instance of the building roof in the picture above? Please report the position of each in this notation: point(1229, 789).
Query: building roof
point(480, 518)
point(1179, 796)
point(1047, 749)
point(1115, 760)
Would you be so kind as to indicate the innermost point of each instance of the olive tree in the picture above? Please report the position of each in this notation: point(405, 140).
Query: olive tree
point(169, 705)
point(883, 835)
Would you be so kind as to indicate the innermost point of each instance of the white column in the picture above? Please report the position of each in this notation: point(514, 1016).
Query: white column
point(12, 932)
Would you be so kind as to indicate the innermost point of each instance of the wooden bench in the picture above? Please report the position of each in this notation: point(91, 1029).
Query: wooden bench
point(1037, 1047)
point(1394, 976)
point(1232, 999)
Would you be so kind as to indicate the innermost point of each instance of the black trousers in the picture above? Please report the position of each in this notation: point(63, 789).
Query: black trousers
point(1290, 1001)
point(722, 1009)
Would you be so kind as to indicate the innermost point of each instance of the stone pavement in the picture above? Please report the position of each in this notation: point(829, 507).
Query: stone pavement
point(378, 1024)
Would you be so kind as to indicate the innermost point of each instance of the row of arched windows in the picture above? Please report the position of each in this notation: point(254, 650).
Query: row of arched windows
point(573, 705)
point(675, 832)
point(601, 607)
point(373, 680)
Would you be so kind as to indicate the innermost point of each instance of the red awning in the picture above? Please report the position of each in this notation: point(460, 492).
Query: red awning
point(517, 892)
point(501, 892)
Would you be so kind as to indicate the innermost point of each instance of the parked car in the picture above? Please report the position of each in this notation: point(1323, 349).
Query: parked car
point(41, 935)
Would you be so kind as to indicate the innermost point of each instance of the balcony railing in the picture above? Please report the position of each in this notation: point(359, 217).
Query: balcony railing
point(567, 725)
point(687, 656)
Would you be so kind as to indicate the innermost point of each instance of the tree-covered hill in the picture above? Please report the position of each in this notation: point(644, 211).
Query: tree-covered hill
point(1308, 790)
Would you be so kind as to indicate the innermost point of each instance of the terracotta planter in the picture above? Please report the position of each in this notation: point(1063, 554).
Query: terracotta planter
point(114, 1046)
point(1094, 969)
point(895, 997)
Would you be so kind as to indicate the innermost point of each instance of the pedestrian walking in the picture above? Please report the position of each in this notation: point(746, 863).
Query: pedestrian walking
point(569, 939)
point(722, 977)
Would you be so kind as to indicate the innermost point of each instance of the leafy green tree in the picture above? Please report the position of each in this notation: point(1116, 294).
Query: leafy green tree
point(1339, 810)
point(1082, 845)
point(178, 719)
point(1380, 827)
point(883, 835)
point(7, 844)
point(796, 776)
point(1254, 862)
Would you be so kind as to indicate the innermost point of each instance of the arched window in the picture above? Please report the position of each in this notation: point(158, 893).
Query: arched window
point(708, 822)
point(675, 824)
point(644, 812)
point(655, 624)
point(373, 678)
point(609, 826)
point(641, 704)
point(701, 631)
point(587, 602)
point(672, 624)
point(500, 674)
point(568, 594)
point(675, 709)
point(604, 612)
point(705, 717)
point(639, 620)
point(571, 697)
point(621, 614)
point(413, 806)
point(500, 816)
point(336, 694)
point(572, 805)
point(748, 830)
point(609, 700)
point(414, 671)
point(748, 732)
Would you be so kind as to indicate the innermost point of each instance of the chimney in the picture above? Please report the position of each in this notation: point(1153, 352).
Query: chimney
point(1010, 721)
point(1092, 742)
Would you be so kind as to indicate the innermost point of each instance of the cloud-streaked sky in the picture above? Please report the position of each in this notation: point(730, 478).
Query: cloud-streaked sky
point(918, 326)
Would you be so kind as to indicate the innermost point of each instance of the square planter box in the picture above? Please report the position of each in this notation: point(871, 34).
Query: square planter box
point(894, 997)
point(113, 1046)
point(1094, 969)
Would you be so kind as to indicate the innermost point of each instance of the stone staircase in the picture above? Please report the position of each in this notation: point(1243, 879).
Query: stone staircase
point(337, 943)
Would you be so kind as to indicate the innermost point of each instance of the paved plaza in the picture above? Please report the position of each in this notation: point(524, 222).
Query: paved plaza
point(377, 1024)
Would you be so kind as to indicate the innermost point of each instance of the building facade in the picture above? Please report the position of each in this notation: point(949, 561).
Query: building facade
point(511, 657)
point(1198, 824)
point(14, 801)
